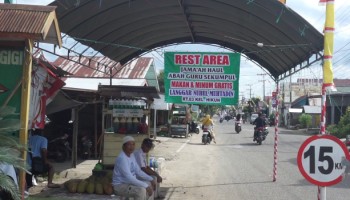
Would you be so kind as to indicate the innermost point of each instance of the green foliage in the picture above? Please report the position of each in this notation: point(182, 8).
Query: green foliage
point(209, 109)
point(305, 120)
point(160, 78)
point(248, 109)
point(255, 100)
point(342, 128)
point(10, 149)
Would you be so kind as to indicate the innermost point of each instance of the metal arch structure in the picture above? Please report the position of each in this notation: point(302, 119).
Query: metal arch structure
point(266, 31)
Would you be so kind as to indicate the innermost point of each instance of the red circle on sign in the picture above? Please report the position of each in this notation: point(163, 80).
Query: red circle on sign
point(300, 155)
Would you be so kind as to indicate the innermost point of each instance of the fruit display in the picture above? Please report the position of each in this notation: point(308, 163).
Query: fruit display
point(101, 183)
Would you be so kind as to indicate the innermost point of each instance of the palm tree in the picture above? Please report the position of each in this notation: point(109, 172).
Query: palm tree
point(9, 151)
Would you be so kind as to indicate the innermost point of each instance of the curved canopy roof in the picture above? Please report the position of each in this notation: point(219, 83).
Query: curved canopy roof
point(266, 31)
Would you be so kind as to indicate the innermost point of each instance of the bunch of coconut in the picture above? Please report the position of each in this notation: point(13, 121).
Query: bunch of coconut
point(92, 185)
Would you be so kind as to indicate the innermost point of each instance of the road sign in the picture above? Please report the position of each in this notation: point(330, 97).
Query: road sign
point(320, 160)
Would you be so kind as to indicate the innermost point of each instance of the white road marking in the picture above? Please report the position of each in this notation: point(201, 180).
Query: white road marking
point(182, 146)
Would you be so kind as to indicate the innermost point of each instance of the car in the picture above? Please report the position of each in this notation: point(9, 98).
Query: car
point(253, 117)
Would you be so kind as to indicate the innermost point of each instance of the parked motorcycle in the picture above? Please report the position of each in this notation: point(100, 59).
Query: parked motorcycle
point(206, 137)
point(261, 134)
point(59, 149)
point(238, 127)
point(194, 127)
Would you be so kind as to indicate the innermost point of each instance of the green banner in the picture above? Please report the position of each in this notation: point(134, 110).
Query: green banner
point(201, 78)
point(11, 65)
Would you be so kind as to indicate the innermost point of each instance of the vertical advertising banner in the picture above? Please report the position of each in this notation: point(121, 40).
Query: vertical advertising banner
point(201, 78)
point(11, 64)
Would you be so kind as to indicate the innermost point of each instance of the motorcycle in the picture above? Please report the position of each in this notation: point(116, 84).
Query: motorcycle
point(228, 117)
point(261, 134)
point(238, 127)
point(59, 149)
point(194, 127)
point(206, 137)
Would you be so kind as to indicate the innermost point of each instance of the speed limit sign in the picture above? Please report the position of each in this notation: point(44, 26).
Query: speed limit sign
point(320, 160)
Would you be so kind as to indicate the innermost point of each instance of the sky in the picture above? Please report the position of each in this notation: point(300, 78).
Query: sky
point(309, 10)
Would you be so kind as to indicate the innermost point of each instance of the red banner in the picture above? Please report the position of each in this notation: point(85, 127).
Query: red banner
point(45, 86)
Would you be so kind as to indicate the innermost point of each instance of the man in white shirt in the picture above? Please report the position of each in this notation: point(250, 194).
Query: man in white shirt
point(141, 159)
point(128, 179)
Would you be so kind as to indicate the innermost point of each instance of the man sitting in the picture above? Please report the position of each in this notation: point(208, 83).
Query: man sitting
point(128, 179)
point(38, 146)
point(141, 159)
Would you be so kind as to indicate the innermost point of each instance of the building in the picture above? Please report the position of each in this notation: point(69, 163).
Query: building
point(307, 93)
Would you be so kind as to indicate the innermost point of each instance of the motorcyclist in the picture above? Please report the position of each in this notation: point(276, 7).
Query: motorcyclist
point(207, 122)
point(238, 119)
point(259, 122)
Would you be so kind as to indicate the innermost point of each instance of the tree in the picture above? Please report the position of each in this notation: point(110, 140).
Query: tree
point(305, 120)
point(160, 78)
point(343, 127)
point(9, 150)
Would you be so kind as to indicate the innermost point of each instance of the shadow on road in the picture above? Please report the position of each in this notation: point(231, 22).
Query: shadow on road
point(199, 143)
point(233, 183)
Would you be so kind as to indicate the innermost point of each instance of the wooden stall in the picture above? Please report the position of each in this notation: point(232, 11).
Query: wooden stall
point(126, 112)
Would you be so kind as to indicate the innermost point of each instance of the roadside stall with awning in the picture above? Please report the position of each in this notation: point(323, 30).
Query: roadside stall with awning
point(126, 111)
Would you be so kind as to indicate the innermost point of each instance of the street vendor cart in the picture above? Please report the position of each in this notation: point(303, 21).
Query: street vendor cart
point(126, 112)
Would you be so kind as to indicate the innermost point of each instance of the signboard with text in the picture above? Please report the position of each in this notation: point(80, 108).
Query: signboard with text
point(201, 78)
point(11, 64)
point(127, 113)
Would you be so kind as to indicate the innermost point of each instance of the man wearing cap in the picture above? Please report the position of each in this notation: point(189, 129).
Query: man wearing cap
point(141, 159)
point(128, 179)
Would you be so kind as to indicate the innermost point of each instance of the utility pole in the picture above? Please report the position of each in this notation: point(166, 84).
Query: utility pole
point(263, 75)
point(250, 90)
point(241, 95)
point(290, 90)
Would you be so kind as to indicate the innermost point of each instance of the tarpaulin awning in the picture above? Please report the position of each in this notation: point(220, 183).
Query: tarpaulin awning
point(266, 31)
point(61, 102)
point(118, 91)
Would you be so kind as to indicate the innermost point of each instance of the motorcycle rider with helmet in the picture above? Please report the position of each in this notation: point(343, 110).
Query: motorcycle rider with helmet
point(259, 122)
point(238, 118)
point(238, 121)
point(207, 122)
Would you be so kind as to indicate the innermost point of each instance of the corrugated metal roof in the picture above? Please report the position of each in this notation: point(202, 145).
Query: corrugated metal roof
point(92, 83)
point(117, 91)
point(133, 70)
point(28, 21)
point(123, 30)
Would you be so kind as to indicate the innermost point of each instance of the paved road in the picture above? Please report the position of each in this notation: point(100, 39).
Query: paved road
point(235, 168)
